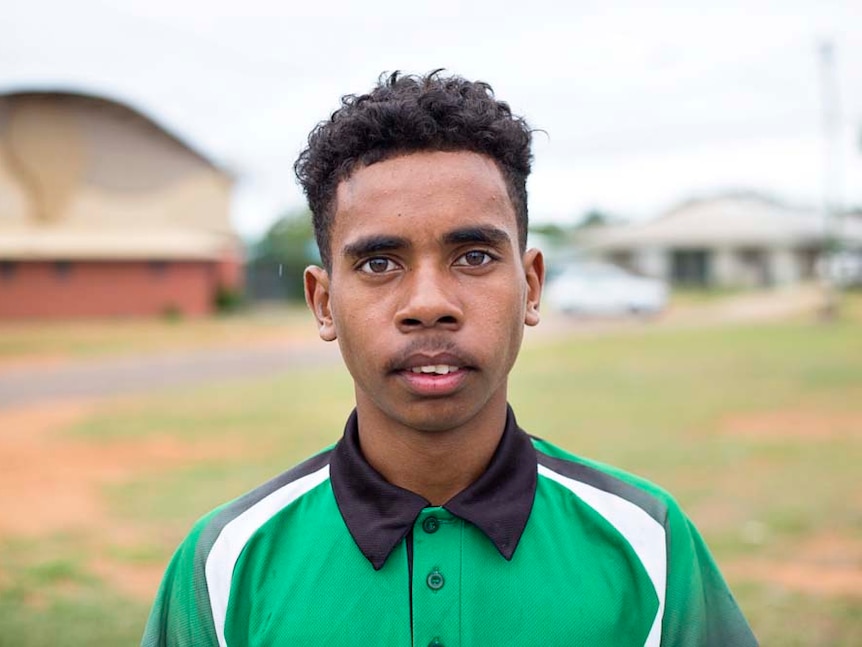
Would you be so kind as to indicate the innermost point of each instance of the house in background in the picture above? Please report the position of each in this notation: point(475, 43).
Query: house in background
point(104, 213)
point(732, 241)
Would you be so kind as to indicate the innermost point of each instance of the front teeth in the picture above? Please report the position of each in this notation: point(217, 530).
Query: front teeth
point(439, 369)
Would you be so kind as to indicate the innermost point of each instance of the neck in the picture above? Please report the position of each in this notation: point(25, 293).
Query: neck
point(436, 464)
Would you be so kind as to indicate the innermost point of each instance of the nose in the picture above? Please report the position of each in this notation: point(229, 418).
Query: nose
point(429, 301)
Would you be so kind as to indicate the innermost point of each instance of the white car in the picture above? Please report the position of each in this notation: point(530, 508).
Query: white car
point(594, 288)
point(842, 268)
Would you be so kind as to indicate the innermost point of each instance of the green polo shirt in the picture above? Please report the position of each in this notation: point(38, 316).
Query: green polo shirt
point(544, 549)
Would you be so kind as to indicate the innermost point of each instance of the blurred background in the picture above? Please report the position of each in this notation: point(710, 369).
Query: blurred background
point(697, 190)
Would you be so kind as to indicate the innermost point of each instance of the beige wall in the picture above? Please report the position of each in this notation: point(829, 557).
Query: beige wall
point(13, 199)
point(77, 163)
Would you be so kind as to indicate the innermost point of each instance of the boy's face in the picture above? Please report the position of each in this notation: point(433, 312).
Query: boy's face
point(428, 293)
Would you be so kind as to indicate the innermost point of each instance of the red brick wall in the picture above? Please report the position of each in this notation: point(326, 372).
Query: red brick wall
point(31, 289)
point(229, 272)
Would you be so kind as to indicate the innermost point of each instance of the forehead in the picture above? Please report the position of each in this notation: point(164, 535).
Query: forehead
point(422, 191)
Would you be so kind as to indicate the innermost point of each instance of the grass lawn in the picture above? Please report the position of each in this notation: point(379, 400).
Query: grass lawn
point(756, 429)
point(83, 339)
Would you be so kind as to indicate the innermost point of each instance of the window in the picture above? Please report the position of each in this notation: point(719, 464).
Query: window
point(7, 270)
point(691, 267)
point(158, 268)
point(63, 269)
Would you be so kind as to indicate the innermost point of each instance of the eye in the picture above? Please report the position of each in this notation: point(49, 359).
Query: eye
point(474, 258)
point(377, 265)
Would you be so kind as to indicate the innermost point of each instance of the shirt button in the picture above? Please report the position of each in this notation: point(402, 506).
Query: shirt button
point(430, 525)
point(435, 580)
point(436, 643)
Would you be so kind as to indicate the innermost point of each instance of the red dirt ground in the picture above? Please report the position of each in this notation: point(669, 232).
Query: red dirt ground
point(826, 565)
point(794, 424)
point(51, 484)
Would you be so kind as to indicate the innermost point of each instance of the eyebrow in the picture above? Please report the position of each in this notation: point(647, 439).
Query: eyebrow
point(479, 235)
point(374, 245)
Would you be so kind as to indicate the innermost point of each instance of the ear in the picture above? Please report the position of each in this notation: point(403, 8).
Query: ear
point(316, 281)
point(534, 269)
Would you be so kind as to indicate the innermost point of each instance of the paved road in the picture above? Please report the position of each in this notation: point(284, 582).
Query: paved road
point(117, 376)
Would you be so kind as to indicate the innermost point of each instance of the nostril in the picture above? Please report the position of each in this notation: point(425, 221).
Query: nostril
point(414, 322)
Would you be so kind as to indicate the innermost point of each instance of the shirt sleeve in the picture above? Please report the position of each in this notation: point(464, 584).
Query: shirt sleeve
point(700, 610)
point(181, 615)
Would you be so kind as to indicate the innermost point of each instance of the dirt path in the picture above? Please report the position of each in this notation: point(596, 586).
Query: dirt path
point(139, 373)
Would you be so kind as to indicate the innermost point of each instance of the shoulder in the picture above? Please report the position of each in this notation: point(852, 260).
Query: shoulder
point(695, 603)
point(190, 606)
point(217, 538)
point(587, 477)
point(247, 513)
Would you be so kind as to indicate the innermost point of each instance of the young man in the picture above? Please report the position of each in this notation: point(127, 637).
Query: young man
point(436, 520)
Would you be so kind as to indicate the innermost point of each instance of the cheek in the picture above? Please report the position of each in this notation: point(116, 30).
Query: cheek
point(499, 322)
point(358, 353)
point(504, 305)
point(360, 322)
point(359, 327)
point(351, 311)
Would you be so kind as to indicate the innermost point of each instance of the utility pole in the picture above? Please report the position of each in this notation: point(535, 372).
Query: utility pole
point(831, 200)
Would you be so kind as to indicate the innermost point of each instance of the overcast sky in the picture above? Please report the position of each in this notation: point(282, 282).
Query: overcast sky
point(643, 106)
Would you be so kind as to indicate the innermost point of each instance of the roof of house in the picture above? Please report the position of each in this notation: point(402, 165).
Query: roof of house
point(132, 173)
point(730, 221)
point(100, 101)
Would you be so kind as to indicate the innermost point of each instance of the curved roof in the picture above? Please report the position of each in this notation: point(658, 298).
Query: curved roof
point(116, 104)
point(92, 177)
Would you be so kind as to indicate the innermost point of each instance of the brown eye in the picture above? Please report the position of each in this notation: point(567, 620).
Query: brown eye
point(376, 265)
point(475, 258)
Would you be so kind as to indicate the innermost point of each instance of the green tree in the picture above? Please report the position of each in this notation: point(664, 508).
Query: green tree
point(595, 218)
point(280, 257)
point(551, 231)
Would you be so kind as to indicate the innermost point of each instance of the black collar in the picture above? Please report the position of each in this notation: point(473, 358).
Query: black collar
point(379, 515)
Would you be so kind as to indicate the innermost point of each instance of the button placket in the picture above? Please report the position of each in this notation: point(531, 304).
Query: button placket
point(437, 537)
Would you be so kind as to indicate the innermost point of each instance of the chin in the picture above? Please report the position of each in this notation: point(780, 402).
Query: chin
point(438, 417)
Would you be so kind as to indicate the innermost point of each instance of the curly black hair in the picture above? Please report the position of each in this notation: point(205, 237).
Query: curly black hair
point(410, 113)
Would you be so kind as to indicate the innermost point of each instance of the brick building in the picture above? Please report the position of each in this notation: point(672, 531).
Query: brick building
point(105, 213)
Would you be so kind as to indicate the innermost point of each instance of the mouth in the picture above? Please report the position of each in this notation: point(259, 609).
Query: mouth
point(435, 369)
point(430, 374)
